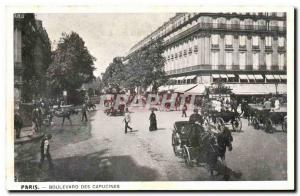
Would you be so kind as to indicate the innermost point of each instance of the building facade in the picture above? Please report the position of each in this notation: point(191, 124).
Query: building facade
point(32, 55)
point(202, 48)
point(18, 65)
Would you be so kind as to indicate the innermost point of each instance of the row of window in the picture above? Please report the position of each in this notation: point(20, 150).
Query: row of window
point(215, 57)
point(215, 40)
point(182, 18)
point(215, 61)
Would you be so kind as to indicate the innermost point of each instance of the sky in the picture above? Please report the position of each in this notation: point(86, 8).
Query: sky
point(106, 35)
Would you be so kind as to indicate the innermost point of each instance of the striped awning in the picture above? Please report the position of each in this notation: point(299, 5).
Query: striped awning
point(257, 89)
point(223, 76)
point(277, 77)
point(190, 77)
point(230, 75)
point(270, 77)
point(243, 77)
point(215, 75)
point(184, 88)
point(198, 90)
point(180, 78)
point(283, 77)
point(258, 77)
point(251, 77)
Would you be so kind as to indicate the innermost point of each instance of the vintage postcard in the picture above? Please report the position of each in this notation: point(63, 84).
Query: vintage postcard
point(150, 98)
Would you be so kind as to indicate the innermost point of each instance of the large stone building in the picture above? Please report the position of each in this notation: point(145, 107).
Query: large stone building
point(18, 65)
point(32, 54)
point(247, 51)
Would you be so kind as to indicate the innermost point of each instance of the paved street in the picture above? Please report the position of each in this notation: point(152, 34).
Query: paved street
point(99, 150)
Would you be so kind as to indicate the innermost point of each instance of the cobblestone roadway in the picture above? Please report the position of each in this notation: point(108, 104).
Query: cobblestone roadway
point(83, 155)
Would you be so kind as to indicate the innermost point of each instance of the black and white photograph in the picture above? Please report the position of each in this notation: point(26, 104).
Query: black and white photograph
point(159, 99)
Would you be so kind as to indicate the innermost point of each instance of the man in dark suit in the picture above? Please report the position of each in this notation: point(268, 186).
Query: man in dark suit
point(195, 117)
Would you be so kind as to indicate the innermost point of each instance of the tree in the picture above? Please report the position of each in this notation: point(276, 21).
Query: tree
point(146, 67)
point(72, 65)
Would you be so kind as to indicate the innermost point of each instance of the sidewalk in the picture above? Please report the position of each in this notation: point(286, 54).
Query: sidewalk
point(27, 136)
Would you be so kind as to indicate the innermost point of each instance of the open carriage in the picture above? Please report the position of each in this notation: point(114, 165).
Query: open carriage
point(268, 118)
point(225, 117)
point(189, 142)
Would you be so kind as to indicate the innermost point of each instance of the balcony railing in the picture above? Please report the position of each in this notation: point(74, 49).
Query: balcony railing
point(262, 67)
point(249, 67)
point(268, 48)
point(274, 67)
point(227, 27)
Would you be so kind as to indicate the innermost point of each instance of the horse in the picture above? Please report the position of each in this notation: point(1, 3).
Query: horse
point(214, 145)
point(66, 113)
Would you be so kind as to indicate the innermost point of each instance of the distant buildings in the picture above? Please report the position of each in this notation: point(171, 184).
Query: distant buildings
point(239, 49)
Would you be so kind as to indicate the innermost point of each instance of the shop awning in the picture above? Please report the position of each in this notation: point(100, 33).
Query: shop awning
point(270, 77)
point(190, 77)
point(283, 77)
point(198, 90)
point(230, 75)
point(184, 88)
point(180, 78)
point(251, 77)
point(257, 89)
point(215, 75)
point(223, 76)
point(277, 77)
point(243, 77)
point(258, 77)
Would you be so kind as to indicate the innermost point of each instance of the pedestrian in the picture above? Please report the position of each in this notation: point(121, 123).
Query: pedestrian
point(196, 118)
point(127, 120)
point(153, 122)
point(277, 104)
point(184, 109)
point(267, 104)
point(84, 110)
point(18, 122)
point(35, 119)
point(45, 151)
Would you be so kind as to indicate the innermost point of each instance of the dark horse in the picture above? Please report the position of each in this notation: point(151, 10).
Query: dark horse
point(66, 113)
point(216, 145)
point(213, 147)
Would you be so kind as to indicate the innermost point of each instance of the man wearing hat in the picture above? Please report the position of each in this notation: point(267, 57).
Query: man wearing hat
point(45, 151)
point(195, 117)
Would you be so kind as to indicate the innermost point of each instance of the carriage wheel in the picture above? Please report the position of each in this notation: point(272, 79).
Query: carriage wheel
point(284, 125)
point(237, 125)
point(187, 157)
point(174, 144)
point(206, 122)
point(255, 123)
point(220, 121)
point(268, 126)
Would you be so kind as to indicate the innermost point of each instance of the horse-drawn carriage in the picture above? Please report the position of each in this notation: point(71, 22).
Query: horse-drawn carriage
point(258, 115)
point(64, 111)
point(197, 144)
point(225, 117)
point(111, 111)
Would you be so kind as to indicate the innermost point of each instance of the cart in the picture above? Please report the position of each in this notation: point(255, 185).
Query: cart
point(225, 118)
point(186, 144)
point(268, 117)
